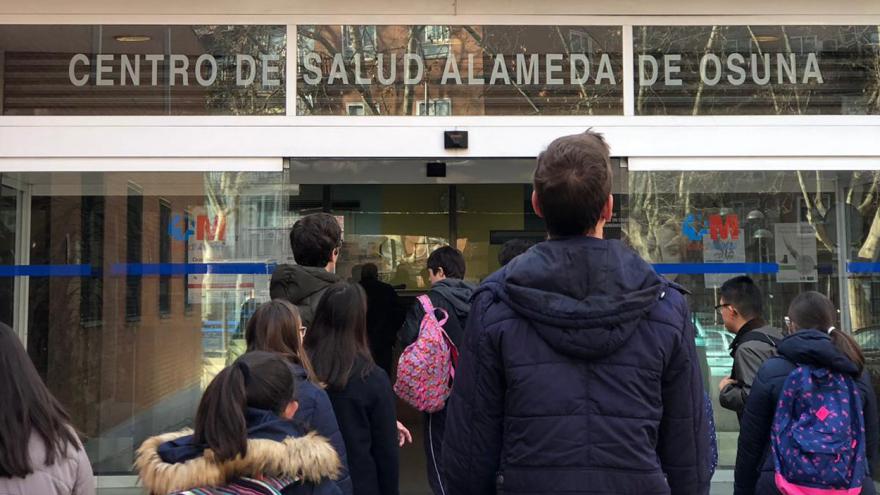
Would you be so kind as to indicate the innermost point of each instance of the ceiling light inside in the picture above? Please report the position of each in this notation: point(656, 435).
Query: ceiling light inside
point(132, 38)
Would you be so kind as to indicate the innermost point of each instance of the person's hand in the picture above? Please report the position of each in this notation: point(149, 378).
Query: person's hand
point(403, 435)
point(725, 382)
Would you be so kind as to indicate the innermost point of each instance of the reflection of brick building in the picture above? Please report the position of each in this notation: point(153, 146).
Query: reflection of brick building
point(362, 48)
point(113, 346)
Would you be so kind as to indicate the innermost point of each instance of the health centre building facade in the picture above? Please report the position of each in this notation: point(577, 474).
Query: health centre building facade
point(153, 158)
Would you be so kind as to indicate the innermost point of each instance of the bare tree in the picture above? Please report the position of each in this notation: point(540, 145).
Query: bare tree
point(226, 96)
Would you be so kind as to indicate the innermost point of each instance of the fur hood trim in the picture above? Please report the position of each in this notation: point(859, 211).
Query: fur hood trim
point(310, 457)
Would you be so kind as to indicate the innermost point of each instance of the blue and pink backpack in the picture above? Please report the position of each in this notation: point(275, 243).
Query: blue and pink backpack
point(818, 435)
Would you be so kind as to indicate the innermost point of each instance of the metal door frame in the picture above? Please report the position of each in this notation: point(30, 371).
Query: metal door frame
point(21, 285)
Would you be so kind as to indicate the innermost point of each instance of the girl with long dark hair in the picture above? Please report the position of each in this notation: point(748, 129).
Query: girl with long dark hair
point(244, 440)
point(812, 340)
point(39, 449)
point(359, 390)
point(276, 327)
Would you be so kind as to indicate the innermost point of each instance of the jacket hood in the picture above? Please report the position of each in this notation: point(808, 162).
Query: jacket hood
point(815, 348)
point(302, 281)
point(458, 293)
point(173, 462)
point(298, 371)
point(585, 296)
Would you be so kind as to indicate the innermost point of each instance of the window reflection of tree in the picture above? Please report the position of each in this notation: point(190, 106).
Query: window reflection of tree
point(848, 55)
point(255, 99)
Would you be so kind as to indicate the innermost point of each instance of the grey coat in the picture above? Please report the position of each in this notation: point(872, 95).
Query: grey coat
point(750, 349)
point(70, 475)
point(303, 286)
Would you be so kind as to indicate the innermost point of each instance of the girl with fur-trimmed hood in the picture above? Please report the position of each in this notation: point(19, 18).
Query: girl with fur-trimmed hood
point(244, 440)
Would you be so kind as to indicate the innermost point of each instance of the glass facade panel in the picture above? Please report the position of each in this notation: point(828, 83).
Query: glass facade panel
point(861, 219)
point(438, 70)
point(127, 370)
point(393, 226)
point(459, 70)
point(8, 235)
point(756, 70)
point(702, 228)
point(207, 243)
point(142, 70)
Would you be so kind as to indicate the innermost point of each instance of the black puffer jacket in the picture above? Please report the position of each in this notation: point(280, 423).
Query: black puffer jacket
point(578, 375)
point(368, 422)
point(301, 285)
point(315, 412)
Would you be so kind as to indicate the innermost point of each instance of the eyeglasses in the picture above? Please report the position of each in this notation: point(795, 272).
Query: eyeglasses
point(719, 306)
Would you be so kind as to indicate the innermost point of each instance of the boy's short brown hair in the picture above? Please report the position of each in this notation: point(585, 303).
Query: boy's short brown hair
point(313, 239)
point(573, 182)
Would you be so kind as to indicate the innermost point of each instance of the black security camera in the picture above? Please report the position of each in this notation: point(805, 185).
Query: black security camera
point(436, 169)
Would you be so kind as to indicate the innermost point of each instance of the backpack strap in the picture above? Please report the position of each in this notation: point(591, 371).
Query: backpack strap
point(431, 310)
point(453, 355)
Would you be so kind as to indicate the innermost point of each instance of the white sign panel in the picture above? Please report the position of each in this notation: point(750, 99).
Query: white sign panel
point(796, 253)
point(730, 250)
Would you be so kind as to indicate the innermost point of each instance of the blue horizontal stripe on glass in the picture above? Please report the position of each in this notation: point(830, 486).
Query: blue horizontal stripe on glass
point(45, 270)
point(862, 267)
point(712, 268)
point(146, 269)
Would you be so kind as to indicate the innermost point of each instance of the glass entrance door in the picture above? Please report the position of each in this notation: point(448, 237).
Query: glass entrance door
point(9, 214)
point(394, 216)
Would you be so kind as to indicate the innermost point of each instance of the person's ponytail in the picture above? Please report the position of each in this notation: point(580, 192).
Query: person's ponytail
point(848, 346)
point(814, 310)
point(220, 420)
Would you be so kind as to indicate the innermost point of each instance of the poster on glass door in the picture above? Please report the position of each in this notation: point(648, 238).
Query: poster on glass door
point(796, 253)
point(728, 248)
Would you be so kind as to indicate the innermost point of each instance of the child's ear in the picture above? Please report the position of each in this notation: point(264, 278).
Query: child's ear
point(290, 409)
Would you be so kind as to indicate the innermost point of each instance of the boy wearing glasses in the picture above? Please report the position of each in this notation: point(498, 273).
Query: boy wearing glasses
point(741, 308)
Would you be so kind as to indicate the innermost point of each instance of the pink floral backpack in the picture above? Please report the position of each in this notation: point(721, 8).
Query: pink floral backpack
point(427, 366)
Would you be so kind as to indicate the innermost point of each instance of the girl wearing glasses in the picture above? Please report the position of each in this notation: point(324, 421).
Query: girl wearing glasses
point(276, 327)
point(812, 340)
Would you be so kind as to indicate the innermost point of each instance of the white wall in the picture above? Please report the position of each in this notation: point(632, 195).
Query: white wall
point(33, 147)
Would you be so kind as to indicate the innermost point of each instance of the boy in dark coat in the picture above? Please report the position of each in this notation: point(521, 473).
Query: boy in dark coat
point(446, 269)
point(578, 371)
point(315, 240)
